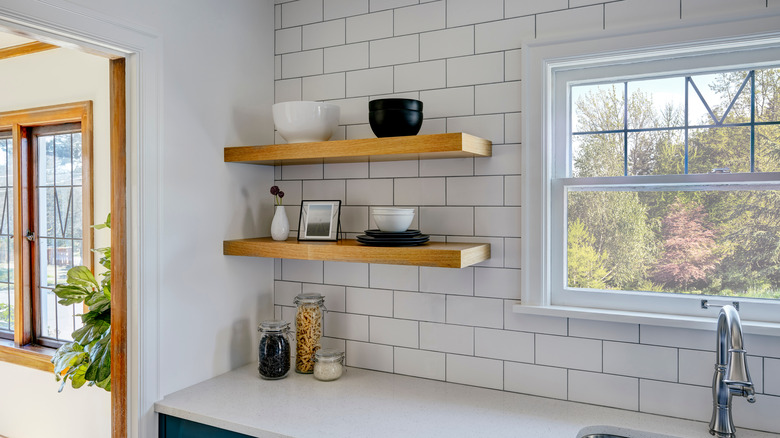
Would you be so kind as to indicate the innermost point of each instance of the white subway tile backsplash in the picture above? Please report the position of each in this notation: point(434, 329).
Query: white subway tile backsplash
point(419, 306)
point(345, 170)
point(504, 345)
point(476, 69)
point(536, 380)
point(333, 343)
point(566, 352)
point(293, 193)
point(277, 67)
point(324, 34)
point(512, 193)
point(344, 8)
point(473, 311)
point(475, 190)
point(772, 374)
point(696, 367)
point(335, 296)
point(447, 220)
point(505, 160)
point(370, 192)
point(419, 191)
point(371, 81)
point(513, 128)
point(448, 102)
point(370, 26)
point(370, 301)
point(391, 51)
point(370, 356)
point(394, 277)
point(393, 169)
point(706, 8)
point(354, 219)
point(447, 338)
point(497, 221)
point(584, 20)
point(347, 274)
point(504, 34)
point(646, 361)
point(287, 40)
point(604, 389)
point(302, 63)
point(677, 337)
point(302, 171)
point(513, 65)
point(517, 8)
point(359, 131)
point(762, 345)
point(277, 16)
point(301, 12)
point(461, 12)
point(476, 371)
point(447, 281)
point(324, 189)
point(419, 363)
point(497, 283)
point(345, 58)
point(756, 367)
point(309, 271)
point(675, 400)
point(381, 5)
point(422, 18)
point(761, 415)
point(285, 292)
point(287, 90)
point(512, 252)
point(346, 326)
point(324, 87)
point(398, 332)
point(503, 97)
point(447, 167)
point(447, 43)
point(608, 330)
point(352, 111)
point(421, 76)
point(490, 127)
point(630, 13)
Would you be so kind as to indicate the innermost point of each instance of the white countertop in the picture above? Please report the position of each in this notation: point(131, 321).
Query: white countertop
point(372, 404)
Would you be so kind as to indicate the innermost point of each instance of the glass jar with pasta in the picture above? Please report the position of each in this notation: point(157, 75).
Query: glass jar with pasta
point(308, 330)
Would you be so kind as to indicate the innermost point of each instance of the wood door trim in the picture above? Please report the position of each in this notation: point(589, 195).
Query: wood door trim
point(25, 49)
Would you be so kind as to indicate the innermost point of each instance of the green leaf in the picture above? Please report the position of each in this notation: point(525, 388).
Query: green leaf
point(81, 275)
point(91, 332)
point(71, 294)
point(100, 356)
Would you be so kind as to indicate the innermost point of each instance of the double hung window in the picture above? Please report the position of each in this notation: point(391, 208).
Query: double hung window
point(662, 180)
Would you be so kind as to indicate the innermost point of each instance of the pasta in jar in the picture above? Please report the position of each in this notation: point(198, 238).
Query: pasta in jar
point(308, 330)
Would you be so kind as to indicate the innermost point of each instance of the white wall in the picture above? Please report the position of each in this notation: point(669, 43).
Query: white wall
point(41, 79)
point(462, 58)
point(213, 76)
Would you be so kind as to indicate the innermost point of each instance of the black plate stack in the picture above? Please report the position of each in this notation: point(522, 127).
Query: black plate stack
point(385, 238)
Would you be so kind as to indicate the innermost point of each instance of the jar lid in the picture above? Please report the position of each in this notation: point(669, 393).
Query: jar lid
point(274, 325)
point(309, 299)
point(328, 355)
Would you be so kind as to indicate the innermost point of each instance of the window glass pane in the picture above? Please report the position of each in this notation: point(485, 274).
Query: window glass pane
point(719, 148)
point(76, 158)
point(768, 95)
point(768, 148)
point(697, 111)
point(5, 308)
point(62, 159)
point(49, 327)
point(597, 108)
point(6, 231)
point(706, 242)
point(656, 152)
point(46, 262)
point(63, 211)
point(597, 155)
point(45, 160)
point(656, 103)
point(46, 212)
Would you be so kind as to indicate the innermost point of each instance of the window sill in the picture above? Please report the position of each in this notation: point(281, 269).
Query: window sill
point(31, 356)
point(657, 319)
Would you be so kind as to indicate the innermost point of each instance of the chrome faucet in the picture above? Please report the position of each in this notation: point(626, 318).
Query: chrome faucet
point(731, 373)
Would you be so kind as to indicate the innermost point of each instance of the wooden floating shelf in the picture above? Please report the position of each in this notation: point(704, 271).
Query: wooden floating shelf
point(434, 146)
point(436, 254)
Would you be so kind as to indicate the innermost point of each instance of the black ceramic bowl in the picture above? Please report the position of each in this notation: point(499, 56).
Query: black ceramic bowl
point(395, 117)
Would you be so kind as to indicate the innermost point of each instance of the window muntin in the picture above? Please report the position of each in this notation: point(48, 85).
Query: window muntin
point(618, 134)
point(6, 235)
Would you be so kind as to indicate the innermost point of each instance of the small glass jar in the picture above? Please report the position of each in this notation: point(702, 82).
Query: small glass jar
point(328, 364)
point(274, 349)
point(308, 330)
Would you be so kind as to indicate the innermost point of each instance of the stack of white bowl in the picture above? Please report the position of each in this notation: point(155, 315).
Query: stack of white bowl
point(392, 220)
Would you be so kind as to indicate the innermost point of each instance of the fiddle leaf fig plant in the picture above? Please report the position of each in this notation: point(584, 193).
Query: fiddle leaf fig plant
point(88, 358)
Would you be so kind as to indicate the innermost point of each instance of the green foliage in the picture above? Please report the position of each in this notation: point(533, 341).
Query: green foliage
point(88, 358)
point(585, 264)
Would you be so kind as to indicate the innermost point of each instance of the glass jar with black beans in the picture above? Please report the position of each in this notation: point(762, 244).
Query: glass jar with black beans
point(274, 349)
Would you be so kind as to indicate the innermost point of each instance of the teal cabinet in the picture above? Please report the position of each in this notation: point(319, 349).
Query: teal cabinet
point(174, 427)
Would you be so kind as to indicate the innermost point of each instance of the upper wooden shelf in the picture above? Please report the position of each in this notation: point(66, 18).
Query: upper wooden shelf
point(454, 145)
point(436, 254)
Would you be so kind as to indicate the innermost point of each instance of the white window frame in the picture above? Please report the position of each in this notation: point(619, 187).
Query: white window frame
point(548, 69)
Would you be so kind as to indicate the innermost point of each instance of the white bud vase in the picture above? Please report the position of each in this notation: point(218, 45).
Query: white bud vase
point(280, 226)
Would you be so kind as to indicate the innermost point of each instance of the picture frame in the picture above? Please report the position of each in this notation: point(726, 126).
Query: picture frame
point(319, 220)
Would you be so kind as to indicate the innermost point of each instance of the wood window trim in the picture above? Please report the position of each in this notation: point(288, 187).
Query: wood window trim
point(25, 49)
point(22, 351)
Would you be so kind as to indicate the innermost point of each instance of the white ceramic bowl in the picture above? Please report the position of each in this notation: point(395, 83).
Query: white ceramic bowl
point(302, 121)
point(393, 220)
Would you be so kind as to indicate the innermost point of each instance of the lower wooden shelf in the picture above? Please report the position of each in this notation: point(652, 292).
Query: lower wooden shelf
point(436, 254)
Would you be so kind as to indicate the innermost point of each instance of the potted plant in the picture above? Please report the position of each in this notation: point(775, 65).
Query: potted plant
point(88, 358)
